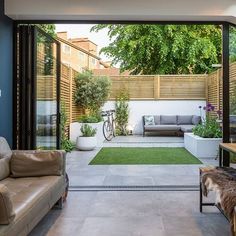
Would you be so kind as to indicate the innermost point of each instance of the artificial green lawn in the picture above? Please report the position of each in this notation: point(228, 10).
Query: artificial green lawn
point(146, 156)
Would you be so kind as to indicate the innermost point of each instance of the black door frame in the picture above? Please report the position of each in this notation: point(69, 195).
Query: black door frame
point(24, 133)
point(225, 56)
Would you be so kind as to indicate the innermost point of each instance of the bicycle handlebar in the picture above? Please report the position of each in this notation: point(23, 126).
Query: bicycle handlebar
point(108, 112)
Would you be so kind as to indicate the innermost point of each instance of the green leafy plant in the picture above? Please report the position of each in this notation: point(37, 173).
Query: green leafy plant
point(122, 112)
point(91, 91)
point(88, 131)
point(95, 118)
point(66, 144)
point(210, 128)
point(163, 49)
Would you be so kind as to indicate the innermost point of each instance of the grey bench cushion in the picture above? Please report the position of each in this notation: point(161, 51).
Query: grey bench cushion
point(186, 128)
point(184, 120)
point(162, 127)
point(168, 120)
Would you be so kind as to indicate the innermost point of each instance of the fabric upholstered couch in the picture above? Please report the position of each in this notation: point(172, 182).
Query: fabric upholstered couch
point(171, 123)
point(31, 183)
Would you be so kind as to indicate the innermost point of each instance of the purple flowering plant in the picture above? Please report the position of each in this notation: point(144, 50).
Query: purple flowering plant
point(210, 127)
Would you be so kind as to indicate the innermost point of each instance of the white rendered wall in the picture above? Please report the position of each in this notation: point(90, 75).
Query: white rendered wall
point(140, 108)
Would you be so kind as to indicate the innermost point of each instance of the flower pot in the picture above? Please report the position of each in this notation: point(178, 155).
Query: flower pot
point(201, 147)
point(75, 131)
point(86, 143)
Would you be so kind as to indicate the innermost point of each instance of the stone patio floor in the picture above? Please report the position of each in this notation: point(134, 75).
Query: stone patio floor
point(132, 214)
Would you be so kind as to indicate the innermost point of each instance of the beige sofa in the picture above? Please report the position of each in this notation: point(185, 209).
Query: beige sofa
point(31, 183)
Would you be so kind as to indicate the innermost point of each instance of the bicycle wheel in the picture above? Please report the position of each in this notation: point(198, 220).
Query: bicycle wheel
point(107, 130)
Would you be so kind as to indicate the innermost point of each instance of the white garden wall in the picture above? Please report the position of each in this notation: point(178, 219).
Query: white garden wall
point(167, 107)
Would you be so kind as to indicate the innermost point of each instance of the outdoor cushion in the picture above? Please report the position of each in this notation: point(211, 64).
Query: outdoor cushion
point(168, 120)
point(196, 120)
point(157, 120)
point(149, 120)
point(184, 120)
point(162, 128)
point(186, 128)
point(38, 163)
point(6, 208)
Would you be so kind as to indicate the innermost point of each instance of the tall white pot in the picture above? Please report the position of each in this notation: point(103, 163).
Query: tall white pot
point(75, 132)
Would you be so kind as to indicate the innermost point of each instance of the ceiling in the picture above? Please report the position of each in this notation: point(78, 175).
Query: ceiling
point(149, 10)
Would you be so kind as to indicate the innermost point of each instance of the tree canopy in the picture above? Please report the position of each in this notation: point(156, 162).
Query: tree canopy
point(163, 49)
point(48, 28)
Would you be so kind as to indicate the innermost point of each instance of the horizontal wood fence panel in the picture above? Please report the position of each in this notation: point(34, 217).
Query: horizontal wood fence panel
point(160, 86)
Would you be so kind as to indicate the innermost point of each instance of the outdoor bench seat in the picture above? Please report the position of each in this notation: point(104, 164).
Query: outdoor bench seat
point(170, 123)
point(162, 128)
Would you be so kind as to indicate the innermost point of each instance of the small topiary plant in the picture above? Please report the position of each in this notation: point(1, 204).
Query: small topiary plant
point(87, 131)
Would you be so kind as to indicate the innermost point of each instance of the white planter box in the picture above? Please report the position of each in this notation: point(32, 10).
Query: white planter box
point(201, 147)
point(75, 132)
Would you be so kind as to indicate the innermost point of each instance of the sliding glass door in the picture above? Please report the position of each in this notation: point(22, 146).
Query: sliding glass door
point(232, 82)
point(37, 89)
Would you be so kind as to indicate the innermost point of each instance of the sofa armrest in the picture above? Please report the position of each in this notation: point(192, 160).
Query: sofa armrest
point(26, 163)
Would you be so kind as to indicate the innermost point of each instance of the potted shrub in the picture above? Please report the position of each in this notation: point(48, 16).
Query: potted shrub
point(91, 94)
point(87, 141)
point(122, 113)
point(206, 137)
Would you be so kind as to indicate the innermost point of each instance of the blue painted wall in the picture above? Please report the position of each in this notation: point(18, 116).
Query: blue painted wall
point(6, 67)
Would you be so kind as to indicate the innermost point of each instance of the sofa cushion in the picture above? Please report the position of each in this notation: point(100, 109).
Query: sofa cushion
point(157, 120)
point(162, 128)
point(196, 120)
point(5, 155)
point(32, 198)
point(186, 128)
point(6, 208)
point(5, 150)
point(168, 120)
point(149, 120)
point(184, 120)
point(4, 167)
point(38, 163)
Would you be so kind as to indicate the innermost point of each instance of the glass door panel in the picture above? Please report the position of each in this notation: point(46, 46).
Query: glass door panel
point(232, 82)
point(47, 90)
point(36, 89)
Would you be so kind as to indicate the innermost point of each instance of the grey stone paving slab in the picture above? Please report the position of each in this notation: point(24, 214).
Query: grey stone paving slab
point(133, 213)
point(122, 226)
point(81, 180)
point(128, 180)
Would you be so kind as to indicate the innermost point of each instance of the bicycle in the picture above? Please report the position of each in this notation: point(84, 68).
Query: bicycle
point(109, 125)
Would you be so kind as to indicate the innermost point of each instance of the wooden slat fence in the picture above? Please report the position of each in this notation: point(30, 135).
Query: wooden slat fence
point(214, 87)
point(157, 87)
point(143, 87)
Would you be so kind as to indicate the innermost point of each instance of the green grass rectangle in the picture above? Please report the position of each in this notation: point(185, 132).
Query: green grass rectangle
point(144, 156)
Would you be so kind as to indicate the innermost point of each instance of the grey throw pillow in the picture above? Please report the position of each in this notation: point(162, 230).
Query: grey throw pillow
point(149, 120)
point(196, 120)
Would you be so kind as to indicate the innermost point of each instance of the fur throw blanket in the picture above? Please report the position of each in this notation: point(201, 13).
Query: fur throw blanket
point(221, 180)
